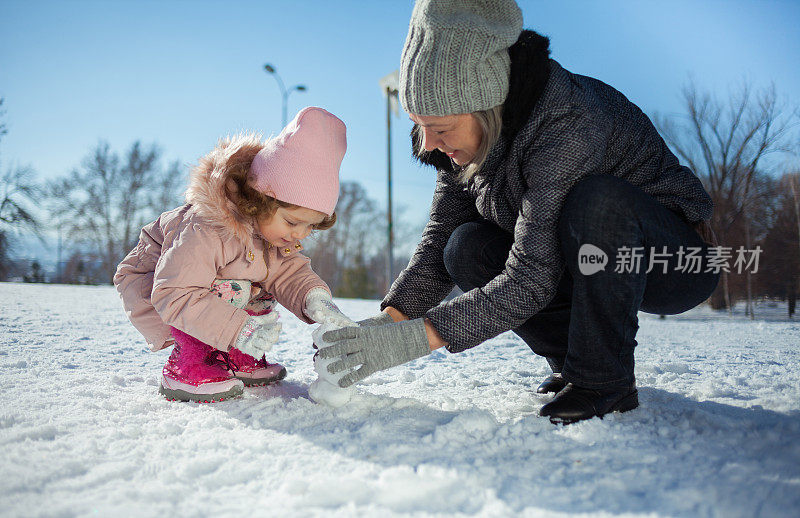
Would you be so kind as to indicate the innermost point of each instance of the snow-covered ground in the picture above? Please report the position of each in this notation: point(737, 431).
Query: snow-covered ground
point(83, 430)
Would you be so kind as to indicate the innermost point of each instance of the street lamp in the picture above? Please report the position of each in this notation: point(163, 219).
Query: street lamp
point(389, 85)
point(284, 92)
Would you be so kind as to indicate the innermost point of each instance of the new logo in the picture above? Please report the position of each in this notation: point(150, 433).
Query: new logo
point(591, 259)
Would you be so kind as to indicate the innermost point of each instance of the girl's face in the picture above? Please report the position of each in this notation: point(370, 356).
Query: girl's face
point(457, 136)
point(288, 225)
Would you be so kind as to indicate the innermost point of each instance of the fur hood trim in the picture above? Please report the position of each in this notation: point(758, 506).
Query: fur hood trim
point(530, 70)
point(206, 192)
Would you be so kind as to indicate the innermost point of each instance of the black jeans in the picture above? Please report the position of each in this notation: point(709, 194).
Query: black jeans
point(587, 331)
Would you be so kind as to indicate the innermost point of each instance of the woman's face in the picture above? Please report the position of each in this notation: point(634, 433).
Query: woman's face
point(457, 136)
point(287, 225)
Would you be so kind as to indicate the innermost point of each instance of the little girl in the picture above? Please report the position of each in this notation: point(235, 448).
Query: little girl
point(206, 276)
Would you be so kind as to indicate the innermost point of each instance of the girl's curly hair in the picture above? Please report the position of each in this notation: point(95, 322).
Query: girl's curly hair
point(257, 204)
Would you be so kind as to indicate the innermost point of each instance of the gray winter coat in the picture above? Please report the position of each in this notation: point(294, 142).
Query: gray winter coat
point(559, 127)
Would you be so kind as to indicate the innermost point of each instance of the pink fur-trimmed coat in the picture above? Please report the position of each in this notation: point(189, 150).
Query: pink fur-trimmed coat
point(165, 280)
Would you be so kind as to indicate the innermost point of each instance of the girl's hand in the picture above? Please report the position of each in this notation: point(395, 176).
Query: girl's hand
point(259, 334)
point(321, 309)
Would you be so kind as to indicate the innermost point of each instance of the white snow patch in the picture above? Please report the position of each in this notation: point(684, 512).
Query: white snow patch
point(84, 431)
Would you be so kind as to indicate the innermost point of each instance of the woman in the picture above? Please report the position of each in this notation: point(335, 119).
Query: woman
point(541, 174)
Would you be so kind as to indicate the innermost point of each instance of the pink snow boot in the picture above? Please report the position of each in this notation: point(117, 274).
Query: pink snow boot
point(255, 372)
point(196, 371)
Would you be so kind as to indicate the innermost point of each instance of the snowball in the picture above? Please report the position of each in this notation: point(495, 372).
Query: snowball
point(325, 389)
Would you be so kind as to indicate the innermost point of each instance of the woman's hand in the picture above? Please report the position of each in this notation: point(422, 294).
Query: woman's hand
point(387, 316)
point(395, 313)
point(374, 348)
point(391, 314)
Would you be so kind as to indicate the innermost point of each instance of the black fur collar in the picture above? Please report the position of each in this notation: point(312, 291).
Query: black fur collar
point(530, 69)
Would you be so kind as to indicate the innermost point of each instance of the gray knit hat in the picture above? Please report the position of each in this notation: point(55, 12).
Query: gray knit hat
point(455, 59)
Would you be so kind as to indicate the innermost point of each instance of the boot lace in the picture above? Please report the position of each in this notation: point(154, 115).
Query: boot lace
point(222, 358)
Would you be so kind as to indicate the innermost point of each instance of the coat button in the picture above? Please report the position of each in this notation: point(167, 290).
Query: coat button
point(287, 250)
point(297, 245)
point(251, 256)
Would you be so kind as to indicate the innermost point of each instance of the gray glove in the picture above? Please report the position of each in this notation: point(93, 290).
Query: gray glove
point(374, 348)
point(378, 320)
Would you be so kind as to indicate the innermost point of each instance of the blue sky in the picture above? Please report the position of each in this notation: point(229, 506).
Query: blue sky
point(183, 73)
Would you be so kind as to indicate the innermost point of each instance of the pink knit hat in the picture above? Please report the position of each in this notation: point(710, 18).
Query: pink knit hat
point(301, 165)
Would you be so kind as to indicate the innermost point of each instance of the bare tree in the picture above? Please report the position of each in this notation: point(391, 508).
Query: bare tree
point(793, 201)
point(18, 190)
point(104, 204)
point(406, 237)
point(780, 275)
point(3, 129)
point(793, 180)
point(351, 256)
point(726, 144)
point(165, 193)
point(334, 250)
point(18, 193)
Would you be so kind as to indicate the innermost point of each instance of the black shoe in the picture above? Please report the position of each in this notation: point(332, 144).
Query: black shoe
point(575, 403)
point(552, 383)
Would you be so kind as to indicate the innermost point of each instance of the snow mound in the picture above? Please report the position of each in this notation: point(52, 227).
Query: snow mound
point(84, 431)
